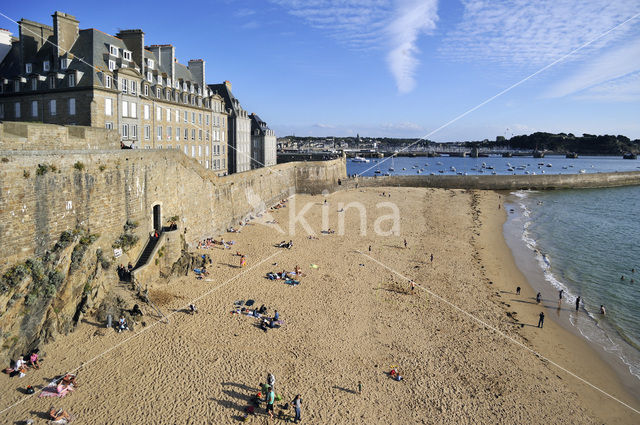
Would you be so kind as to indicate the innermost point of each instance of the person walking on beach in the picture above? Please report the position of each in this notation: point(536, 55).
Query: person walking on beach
point(271, 380)
point(243, 261)
point(538, 297)
point(359, 387)
point(518, 290)
point(405, 243)
point(541, 320)
point(577, 303)
point(271, 398)
point(431, 258)
point(296, 405)
point(560, 294)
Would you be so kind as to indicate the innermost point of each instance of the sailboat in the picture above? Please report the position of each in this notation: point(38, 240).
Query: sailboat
point(391, 168)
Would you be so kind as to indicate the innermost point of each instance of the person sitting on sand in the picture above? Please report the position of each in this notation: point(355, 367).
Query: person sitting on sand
point(192, 309)
point(276, 316)
point(262, 309)
point(59, 415)
point(298, 270)
point(33, 360)
point(21, 366)
point(122, 324)
point(69, 379)
point(264, 325)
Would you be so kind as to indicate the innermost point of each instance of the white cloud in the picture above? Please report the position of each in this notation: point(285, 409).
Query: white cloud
point(624, 89)
point(362, 25)
point(413, 17)
point(610, 66)
point(534, 33)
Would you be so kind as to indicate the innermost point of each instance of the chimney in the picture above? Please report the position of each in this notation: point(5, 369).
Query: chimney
point(65, 32)
point(134, 40)
point(228, 84)
point(33, 36)
point(5, 43)
point(166, 55)
point(196, 66)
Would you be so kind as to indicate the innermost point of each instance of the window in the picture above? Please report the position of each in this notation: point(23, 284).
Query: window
point(158, 113)
point(186, 150)
point(206, 119)
point(199, 134)
point(186, 116)
point(207, 136)
point(199, 118)
point(146, 111)
point(199, 150)
point(133, 110)
point(177, 134)
point(193, 117)
point(147, 132)
point(16, 86)
point(126, 55)
point(168, 82)
point(52, 107)
point(108, 107)
point(206, 150)
point(169, 133)
point(168, 114)
point(125, 108)
point(34, 84)
point(177, 116)
point(123, 85)
point(64, 63)
point(72, 80)
point(125, 130)
point(160, 79)
point(46, 66)
point(134, 131)
point(112, 65)
point(107, 81)
point(109, 126)
point(72, 106)
point(28, 68)
point(149, 76)
point(113, 50)
point(193, 134)
point(158, 93)
point(193, 151)
point(168, 94)
point(150, 63)
point(134, 87)
point(159, 134)
point(34, 108)
point(146, 90)
point(186, 134)
point(206, 164)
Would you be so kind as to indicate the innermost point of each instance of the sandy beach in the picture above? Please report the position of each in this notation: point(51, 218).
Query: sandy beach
point(350, 319)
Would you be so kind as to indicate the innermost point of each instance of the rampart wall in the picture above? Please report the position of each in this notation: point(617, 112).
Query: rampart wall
point(21, 136)
point(44, 193)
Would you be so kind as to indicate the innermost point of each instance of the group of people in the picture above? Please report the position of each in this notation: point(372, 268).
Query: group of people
point(281, 204)
point(124, 273)
point(579, 299)
point(267, 394)
point(284, 275)
point(212, 243)
point(285, 244)
point(23, 363)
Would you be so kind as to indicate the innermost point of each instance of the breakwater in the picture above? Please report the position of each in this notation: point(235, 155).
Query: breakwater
point(506, 182)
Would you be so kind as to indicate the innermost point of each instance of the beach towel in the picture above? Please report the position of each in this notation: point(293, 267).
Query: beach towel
point(249, 303)
point(314, 266)
point(51, 390)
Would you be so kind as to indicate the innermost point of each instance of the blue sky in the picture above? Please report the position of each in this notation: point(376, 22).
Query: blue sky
point(399, 68)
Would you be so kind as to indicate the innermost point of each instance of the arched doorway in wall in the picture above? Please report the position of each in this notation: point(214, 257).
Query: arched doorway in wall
point(157, 218)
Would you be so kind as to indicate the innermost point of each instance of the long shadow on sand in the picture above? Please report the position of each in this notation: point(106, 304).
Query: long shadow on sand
point(241, 386)
point(346, 390)
point(228, 404)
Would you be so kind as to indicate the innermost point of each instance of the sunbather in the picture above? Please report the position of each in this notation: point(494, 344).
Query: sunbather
point(57, 415)
point(192, 309)
point(69, 379)
point(122, 324)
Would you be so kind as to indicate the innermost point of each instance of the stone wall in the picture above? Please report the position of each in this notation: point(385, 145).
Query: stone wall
point(28, 136)
point(504, 182)
point(43, 194)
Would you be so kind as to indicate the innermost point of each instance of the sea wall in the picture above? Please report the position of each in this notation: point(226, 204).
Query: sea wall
point(43, 193)
point(505, 182)
point(21, 136)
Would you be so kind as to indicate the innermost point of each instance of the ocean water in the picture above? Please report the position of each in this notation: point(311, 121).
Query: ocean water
point(584, 241)
point(551, 164)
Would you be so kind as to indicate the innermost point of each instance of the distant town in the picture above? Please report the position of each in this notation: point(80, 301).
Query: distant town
point(292, 148)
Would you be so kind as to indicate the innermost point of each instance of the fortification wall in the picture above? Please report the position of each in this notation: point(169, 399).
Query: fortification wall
point(25, 136)
point(43, 194)
point(504, 182)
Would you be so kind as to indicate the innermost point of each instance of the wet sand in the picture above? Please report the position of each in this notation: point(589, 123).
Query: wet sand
point(349, 320)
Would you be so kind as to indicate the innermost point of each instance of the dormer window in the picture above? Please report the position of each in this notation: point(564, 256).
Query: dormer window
point(184, 86)
point(149, 76)
point(64, 63)
point(178, 85)
point(34, 84)
point(112, 65)
point(113, 50)
point(146, 89)
point(28, 68)
point(126, 55)
point(160, 79)
point(72, 80)
point(168, 82)
point(16, 86)
point(199, 91)
point(46, 66)
point(150, 63)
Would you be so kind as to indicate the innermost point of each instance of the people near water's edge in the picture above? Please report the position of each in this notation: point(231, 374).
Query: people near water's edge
point(518, 290)
point(541, 320)
point(538, 297)
point(560, 293)
point(602, 310)
point(577, 303)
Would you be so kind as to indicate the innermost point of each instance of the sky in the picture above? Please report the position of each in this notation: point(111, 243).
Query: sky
point(444, 70)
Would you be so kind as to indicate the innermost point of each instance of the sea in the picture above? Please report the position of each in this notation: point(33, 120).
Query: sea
point(585, 242)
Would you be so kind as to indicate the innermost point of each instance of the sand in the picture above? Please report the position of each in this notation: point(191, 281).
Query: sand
point(349, 320)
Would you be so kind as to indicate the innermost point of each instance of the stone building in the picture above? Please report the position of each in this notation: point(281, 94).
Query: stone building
point(61, 74)
point(263, 143)
point(238, 130)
